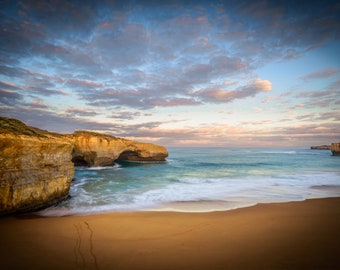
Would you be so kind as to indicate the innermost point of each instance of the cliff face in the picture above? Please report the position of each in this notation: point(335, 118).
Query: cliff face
point(35, 169)
point(335, 148)
point(93, 149)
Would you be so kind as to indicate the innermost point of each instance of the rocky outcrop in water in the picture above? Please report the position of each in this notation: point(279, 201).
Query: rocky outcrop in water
point(321, 147)
point(335, 148)
point(93, 149)
point(37, 167)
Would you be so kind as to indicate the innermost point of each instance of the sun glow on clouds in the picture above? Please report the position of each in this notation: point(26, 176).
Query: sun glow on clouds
point(195, 73)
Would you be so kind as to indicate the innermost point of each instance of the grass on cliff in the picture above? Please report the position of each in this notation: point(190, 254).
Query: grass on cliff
point(16, 127)
point(91, 133)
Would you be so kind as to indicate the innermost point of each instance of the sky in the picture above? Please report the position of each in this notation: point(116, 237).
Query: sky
point(175, 73)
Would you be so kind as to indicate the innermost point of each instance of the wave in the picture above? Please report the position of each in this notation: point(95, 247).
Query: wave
point(115, 166)
point(292, 152)
point(232, 191)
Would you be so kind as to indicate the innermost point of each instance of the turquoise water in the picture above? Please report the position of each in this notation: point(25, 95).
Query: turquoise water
point(204, 179)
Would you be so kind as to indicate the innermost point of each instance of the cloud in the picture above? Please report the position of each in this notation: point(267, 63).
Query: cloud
point(74, 57)
point(224, 65)
point(261, 85)
point(216, 94)
point(30, 82)
point(138, 89)
point(157, 57)
point(113, 97)
point(60, 17)
point(319, 94)
point(321, 74)
point(44, 91)
point(329, 116)
point(124, 115)
point(121, 47)
point(9, 97)
point(266, 31)
point(173, 102)
point(120, 57)
point(312, 130)
point(178, 32)
point(79, 112)
point(36, 104)
point(54, 122)
point(202, 46)
point(221, 134)
point(13, 72)
point(9, 86)
point(241, 136)
point(322, 98)
point(83, 84)
point(37, 86)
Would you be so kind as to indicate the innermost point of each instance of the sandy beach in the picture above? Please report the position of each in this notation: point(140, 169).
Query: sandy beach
point(295, 235)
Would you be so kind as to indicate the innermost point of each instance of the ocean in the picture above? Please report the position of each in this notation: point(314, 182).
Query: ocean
point(204, 179)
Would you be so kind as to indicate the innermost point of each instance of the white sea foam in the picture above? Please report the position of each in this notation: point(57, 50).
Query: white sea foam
point(115, 166)
point(202, 192)
point(280, 152)
point(296, 187)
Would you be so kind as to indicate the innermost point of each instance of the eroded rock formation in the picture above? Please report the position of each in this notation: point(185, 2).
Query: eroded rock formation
point(36, 167)
point(335, 148)
point(93, 149)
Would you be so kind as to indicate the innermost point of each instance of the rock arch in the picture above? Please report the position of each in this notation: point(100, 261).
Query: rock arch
point(129, 155)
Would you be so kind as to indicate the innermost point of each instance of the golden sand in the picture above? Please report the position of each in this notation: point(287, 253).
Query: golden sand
point(296, 235)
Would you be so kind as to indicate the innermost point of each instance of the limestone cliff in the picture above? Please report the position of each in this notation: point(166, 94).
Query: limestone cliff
point(335, 148)
point(35, 168)
point(93, 149)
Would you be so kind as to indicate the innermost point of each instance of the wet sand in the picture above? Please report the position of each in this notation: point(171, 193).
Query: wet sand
point(295, 235)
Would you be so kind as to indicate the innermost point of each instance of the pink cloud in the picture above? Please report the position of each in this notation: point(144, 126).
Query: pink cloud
point(202, 19)
point(38, 104)
point(262, 85)
point(216, 94)
point(81, 83)
point(9, 86)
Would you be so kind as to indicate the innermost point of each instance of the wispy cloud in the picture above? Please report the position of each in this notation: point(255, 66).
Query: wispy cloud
point(9, 97)
point(79, 112)
point(325, 73)
point(124, 115)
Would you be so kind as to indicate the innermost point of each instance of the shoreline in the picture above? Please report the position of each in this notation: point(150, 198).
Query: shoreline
point(200, 206)
point(290, 235)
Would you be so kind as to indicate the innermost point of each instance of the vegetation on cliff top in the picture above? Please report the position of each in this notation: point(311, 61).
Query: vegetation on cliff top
point(16, 127)
point(87, 133)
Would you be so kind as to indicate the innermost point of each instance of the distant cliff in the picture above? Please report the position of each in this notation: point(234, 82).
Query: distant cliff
point(37, 167)
point(321, 147)
point(335, 148)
